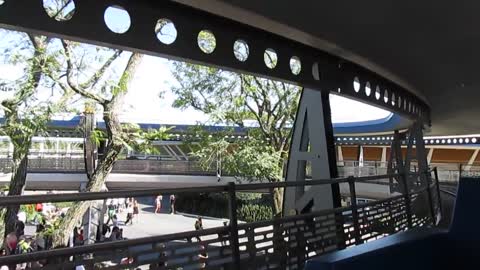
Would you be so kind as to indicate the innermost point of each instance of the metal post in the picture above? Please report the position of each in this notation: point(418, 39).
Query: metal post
point(232, 201)
point(408, 206)
point(353, 205)
point(438, 189)
point(430, 200)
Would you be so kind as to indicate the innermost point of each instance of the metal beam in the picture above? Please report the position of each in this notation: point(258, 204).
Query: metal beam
point(319, 70)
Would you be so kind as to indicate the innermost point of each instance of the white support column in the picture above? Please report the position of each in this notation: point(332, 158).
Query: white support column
point(430, 155)
point(69, 147)
point(41, 147)
point(340, 156)
point(383, 160)
point(472, 160)
point(360, 156)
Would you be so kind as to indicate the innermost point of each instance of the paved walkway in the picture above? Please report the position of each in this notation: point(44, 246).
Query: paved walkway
point(148, 223)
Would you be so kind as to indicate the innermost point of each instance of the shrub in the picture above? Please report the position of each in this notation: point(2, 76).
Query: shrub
point(250, 206)
point(254, 212)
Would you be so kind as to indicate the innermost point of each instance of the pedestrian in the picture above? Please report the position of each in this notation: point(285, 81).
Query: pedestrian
point(172, 204)
point(129, 214)
point(11, 243)
point(224, 235)
point(19, 228)
point(203, 257)
point(198, 226)
point(121, 204)
point(110, 211)
point(158, 204)
point(115, 235)
point(77, 237)
point(136, 210)
point(115, 221)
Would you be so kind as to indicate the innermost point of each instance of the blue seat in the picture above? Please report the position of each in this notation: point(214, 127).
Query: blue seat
point(422, 248)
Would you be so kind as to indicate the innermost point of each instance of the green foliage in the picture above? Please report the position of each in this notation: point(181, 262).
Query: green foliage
point(238, 99)
point(254, 212)
point(30, 212)
point(251, 206)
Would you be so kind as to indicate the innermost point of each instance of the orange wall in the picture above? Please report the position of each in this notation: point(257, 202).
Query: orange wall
point(451, 155)
point(350, 152)
point(372, 153)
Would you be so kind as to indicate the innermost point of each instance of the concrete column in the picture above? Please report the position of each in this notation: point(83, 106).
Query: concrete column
point(472, 160)
point(41, 147)
point(360, 156)
point(340, 156)
point(383, 160)
point(430, 155)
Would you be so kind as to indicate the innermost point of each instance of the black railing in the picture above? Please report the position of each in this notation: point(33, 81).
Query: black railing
point(280, 243)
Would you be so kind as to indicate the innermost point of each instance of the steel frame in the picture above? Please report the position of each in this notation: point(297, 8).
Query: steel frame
point(334, 74)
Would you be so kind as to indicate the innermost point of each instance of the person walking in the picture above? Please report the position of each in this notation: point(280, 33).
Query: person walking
point(136, 210)
point(158, 204)
point(198, 226)
point(172, 204)
point(110, 211)
point(129, 214)
point(203, 257)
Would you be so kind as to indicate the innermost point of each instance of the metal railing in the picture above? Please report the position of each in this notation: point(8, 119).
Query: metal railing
point(280, 243)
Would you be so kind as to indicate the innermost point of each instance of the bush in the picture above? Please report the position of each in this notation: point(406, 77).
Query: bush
point(250, 206)
point(254, 212)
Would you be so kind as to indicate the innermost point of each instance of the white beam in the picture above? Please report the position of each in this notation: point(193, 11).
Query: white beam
point(340, 156)
point(383, 160)
point(430, 155)
point(472, 160)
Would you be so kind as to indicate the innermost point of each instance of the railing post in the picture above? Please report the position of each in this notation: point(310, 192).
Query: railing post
point(429, 193)
point(435, 171)
point(408, 206)
point(353, 205)
point(234, 244)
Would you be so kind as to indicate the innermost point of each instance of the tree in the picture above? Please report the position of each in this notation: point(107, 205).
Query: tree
point(106, 87)
point(26, 113)
point(265, 109)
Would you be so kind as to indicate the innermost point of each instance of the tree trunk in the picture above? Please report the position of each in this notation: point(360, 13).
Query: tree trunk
point(111, 110)
point(278, 201)
point(17, 185)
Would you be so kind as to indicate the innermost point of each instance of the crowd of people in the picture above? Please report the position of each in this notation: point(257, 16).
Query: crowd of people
point(116, 206)
point(17, 242)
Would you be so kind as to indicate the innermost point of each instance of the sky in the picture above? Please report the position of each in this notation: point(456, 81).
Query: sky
point(144, 104)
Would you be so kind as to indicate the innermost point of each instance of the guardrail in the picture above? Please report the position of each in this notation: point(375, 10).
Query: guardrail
point(281, 243)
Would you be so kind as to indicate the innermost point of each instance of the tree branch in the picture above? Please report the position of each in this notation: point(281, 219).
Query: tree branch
point(70, 82)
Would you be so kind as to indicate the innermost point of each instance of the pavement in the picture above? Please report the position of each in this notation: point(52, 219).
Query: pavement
point(147, 223)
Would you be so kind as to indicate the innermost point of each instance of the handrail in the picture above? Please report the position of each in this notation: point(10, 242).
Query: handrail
point(231, 230)
point(90, 196)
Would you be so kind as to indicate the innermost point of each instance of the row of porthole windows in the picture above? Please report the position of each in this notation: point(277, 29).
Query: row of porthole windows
point(365, 138)
point(427, 141)
point(449, 141)
point(117, 19)
point(407, 105)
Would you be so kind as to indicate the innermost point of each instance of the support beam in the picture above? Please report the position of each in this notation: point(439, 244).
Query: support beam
point(312, 142)
point(430, 155)
point(472, 160)
point(88, 25)
point(383, 160)
point(340, 156)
